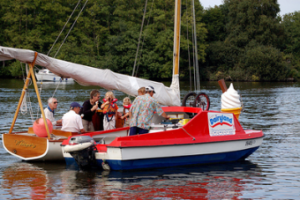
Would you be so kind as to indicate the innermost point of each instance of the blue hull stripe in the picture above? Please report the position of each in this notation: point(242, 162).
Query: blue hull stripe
point(172, 161)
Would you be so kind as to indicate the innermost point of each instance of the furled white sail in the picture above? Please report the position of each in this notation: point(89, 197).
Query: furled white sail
point(86, 75)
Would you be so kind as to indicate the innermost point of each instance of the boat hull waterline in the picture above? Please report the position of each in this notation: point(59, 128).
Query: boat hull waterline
point(156, 157)
point(208, 137)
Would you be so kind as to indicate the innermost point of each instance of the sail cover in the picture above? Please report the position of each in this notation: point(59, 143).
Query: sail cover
point(105, 78)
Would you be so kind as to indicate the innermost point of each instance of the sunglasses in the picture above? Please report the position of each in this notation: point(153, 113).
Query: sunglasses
point(55, 102)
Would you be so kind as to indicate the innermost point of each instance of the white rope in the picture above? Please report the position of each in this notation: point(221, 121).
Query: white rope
point(71, 28)
point(64, 27)
point(139, 38)
point(30, 107)
point(24, 104)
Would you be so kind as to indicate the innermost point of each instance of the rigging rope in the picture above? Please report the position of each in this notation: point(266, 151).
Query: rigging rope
point(187, 33)
point(140, 55)
point(64, 27)
point(56, 87)
point(71, 28)
point(139, 37)
point(196, 50)
point(26, 103)
point(193, 50)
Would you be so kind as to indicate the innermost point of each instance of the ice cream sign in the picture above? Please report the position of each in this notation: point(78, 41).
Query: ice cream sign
point(220, 124)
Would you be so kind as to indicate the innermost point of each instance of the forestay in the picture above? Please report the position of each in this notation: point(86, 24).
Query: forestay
point(85, 75)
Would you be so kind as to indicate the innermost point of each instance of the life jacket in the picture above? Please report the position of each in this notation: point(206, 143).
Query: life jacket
point(110, 110)
point(126, 107)
point(113, 101)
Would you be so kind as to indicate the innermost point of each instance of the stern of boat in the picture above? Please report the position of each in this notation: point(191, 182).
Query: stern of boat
point(25, 147)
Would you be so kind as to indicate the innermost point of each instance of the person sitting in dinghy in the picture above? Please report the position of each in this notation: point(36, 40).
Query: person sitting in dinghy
point(49, 111)
point(126, 106)
point(142, 111)
point(110, 109)
point(71, 121)
point(89, 108)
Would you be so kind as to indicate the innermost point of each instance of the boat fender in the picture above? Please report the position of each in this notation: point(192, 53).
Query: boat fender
point(78, 147)
point(39, 127)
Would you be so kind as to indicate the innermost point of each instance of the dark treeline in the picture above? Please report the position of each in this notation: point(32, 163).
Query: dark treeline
point(240, 40)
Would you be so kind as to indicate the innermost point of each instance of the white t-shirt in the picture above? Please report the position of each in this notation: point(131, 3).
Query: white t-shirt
point(72, 122)
point(49, 115)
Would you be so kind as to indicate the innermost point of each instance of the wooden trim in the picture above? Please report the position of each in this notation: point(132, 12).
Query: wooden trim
point(39, 99)
point(30, 73)
point(63, 133)
point(55, 132)
point(25, 146)
point(20, 102)
point(177, 36)
point(30, 130)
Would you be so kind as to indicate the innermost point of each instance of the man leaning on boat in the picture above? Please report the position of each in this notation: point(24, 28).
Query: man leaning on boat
point(71, 121)
point(142, 110)
point(49, 111)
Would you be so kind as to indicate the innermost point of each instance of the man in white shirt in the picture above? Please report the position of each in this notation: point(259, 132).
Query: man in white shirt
point(49, 111)
point(71, 121)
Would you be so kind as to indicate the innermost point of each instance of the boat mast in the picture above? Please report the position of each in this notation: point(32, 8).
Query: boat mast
point(30, 73)
point(176, 47)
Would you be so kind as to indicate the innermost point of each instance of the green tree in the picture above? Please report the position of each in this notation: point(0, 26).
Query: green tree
point(105, 34)
point(253, 31)
point(215, 21)
point(291, 23)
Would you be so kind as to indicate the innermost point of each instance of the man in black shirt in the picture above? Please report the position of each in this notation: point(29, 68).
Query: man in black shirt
point(88, 109)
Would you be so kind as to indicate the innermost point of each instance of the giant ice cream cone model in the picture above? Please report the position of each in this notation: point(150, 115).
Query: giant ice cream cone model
point(231, 102)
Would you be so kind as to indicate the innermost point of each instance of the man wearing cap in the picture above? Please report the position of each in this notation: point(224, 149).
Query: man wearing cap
point(142, 110)
point(71, 121)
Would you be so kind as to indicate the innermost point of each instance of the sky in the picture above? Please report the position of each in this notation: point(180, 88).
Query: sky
point(286, 6)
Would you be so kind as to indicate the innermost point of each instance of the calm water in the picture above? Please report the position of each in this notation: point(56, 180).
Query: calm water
point(272, 172)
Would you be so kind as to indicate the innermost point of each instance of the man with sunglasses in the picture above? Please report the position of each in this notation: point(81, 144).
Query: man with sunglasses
point(49, 111)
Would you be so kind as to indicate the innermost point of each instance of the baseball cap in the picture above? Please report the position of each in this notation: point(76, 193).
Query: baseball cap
point(75, 105)
point(150, 89)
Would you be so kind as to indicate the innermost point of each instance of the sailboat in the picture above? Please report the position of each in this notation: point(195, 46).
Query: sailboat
point(202, 137)
point(194, 141)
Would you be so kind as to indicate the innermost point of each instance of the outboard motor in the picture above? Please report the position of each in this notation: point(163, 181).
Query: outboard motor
point(82, 149)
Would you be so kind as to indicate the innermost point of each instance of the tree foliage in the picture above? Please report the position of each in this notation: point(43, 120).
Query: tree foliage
point(253, 41)
point(243, 40)
point(105, 34)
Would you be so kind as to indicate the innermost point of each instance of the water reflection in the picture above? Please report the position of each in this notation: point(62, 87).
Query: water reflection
point(42, 181)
